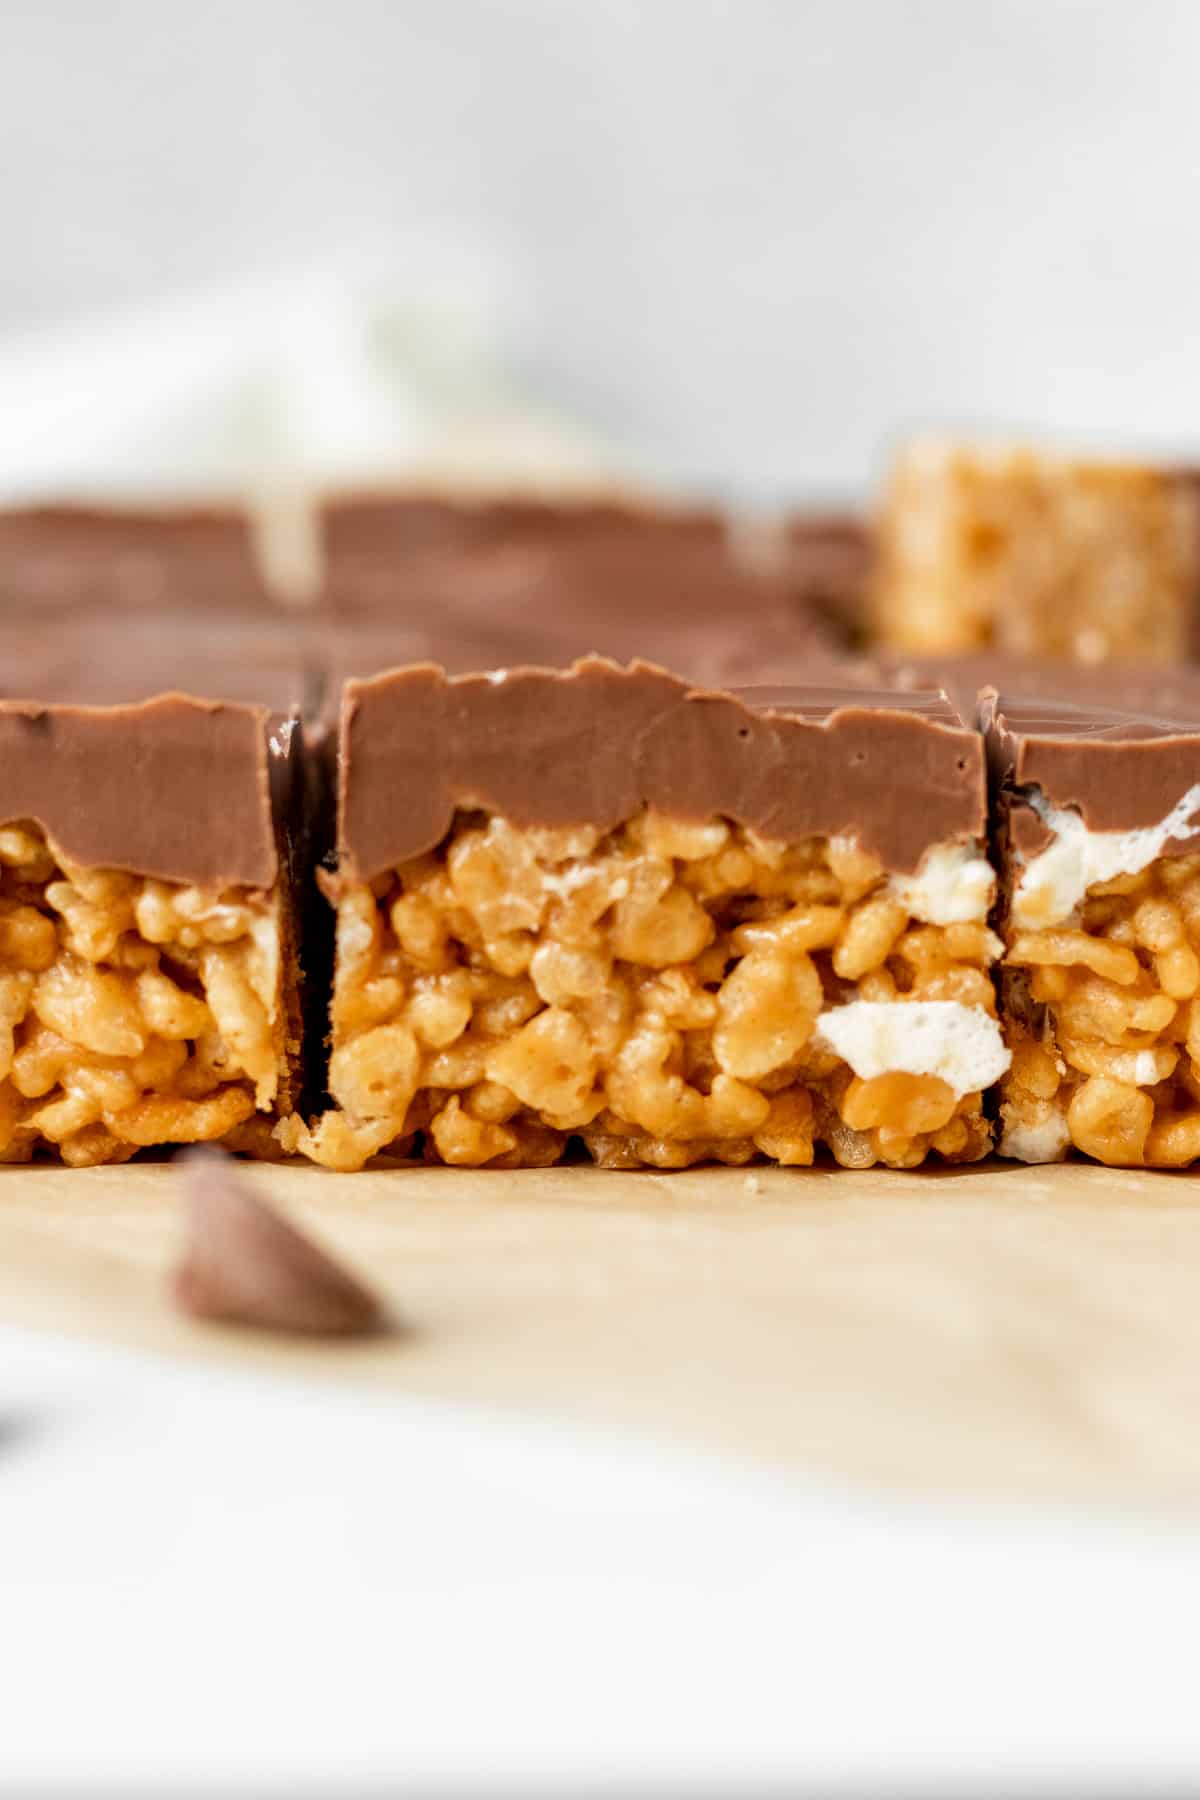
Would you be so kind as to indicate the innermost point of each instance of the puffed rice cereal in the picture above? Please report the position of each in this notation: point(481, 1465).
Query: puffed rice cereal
point(1037, 554)
point(654, 994)
point(133, 1012)
point(1104, 1020)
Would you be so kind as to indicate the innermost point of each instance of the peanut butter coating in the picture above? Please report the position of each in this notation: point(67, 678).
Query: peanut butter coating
point(593, 744)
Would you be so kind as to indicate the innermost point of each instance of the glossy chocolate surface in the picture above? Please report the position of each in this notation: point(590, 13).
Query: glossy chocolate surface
point(593, 744)
point(153, 741)
point(174, 788)
point(1142, 688)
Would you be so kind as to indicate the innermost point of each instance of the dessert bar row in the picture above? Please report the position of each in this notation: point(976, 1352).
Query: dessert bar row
point(969, 546)
point(493, 918)
point(472, 583)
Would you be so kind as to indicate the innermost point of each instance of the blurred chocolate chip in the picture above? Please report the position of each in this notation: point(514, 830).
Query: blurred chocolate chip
point(246, 1265)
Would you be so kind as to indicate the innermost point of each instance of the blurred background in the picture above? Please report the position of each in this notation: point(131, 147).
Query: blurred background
point(734, 246)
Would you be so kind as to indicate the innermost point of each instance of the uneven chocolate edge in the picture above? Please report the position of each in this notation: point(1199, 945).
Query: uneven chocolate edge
point(298, 801)
point(596, 743)
point(748, 651)
point(1119, 770)
point(175, 788)
point(318, 924)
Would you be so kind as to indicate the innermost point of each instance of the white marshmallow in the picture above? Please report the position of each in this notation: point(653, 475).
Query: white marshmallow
point(960, 1044)
point(953, 886)
point(1053, 882)
point(1046, 1141)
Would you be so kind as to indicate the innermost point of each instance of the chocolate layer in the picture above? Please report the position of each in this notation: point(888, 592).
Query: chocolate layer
point(67, 558)
point(594, 744)
point(830, 559)
point(473, 586)
point(721, 652)
point(1173, 694)
point(121, 777)
point(1119, 769)
point(125, 655)
point(398, 519)
point(367, 535)
point(174, 788)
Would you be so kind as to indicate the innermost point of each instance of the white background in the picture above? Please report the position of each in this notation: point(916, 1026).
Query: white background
point(749, 239)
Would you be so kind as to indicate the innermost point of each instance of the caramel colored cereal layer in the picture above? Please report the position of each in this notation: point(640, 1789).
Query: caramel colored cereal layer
point(652, 993)
point(132, 1012)
point(1105, 1025)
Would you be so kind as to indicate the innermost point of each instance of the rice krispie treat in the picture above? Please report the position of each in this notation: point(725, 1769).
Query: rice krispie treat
point(596, 907)
point(1036, 555)
point(1099, 832)
point(148, 959)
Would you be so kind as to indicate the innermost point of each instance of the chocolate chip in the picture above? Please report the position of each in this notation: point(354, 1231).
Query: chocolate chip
point(244, 1264)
